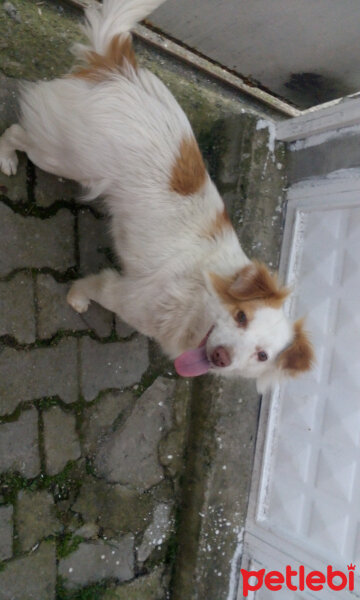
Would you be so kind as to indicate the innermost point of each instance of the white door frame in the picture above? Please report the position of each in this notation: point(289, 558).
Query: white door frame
point(337, 190)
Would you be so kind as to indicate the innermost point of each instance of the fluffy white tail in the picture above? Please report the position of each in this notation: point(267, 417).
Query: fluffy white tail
point(114, 17)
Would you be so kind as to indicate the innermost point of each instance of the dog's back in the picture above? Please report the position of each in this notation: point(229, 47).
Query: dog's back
point(117, 129)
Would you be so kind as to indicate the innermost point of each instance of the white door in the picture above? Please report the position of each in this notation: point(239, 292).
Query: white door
point(305, 502)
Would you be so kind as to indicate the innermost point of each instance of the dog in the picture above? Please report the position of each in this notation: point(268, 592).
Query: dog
point(117, 130)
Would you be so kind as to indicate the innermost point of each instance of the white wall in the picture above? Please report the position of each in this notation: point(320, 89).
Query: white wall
point(275, 41)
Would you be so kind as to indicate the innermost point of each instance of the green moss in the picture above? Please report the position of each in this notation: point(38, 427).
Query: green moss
point(10, 485)
point(38, 45)
point(61, 485)
point(67, 543)
point(92, 592)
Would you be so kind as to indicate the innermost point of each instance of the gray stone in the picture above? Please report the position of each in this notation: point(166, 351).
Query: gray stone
point(99, 419)
point(148, 587)
point(171, 449)
point(112, 365)
point(88, 531)
point(49, 188)
point(41, 372)
point(15, 187)
point(115, 508)
point(19, 445)
point(8, 101)
point(35, 517)
point(157, 532)
point(94, 243)
point(60, 439)
point(123, 330)
point(94, 561)
point(17, 309)
point(32, 577)
point(6, 532)
point(130, 454)
point(55, 314)
point(32, 242)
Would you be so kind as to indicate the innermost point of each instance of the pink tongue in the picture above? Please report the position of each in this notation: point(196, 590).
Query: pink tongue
point(192, 363)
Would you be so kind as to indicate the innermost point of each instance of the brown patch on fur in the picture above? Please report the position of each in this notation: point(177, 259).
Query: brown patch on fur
point(253, 283)
point(299, 356)
point(219, 225)
point(118, 56)
point(188, 173)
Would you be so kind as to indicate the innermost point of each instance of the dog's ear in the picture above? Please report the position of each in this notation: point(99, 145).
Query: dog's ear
point(295, 359)
point(299, 356)
point(255, 282)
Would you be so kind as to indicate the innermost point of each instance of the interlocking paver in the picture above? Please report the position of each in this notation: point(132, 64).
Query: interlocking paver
point(33, 242)
point(49, 188)
point(94, 242)
point(35, 517)
point(19, 445)
point(112, 365)
point(6, 531)
point(38, 373)
point(32, 577)
point(61, 440)
point(55, 314)
point(17, 308)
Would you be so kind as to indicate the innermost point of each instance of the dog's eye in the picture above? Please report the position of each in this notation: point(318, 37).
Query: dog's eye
point(262, 356)
point(241, 318)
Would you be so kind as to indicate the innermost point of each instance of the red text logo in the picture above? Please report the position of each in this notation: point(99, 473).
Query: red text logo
point(298, 580)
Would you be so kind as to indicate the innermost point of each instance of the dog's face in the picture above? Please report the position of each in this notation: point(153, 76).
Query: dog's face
point(250, 335)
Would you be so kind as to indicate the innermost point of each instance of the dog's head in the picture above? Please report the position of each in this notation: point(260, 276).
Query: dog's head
point(250, 335)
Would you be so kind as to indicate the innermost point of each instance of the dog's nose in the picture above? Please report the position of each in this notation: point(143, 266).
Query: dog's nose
point(220, 357)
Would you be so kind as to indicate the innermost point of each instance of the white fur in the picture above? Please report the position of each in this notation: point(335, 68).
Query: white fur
point(120, 139)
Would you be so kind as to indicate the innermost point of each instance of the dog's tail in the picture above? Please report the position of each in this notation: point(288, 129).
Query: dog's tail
point(112, 18)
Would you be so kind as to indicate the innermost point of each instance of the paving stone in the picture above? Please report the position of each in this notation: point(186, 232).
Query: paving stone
point(17, 309)
point(33, 242)
point(40, 372)
point(130, 454)
point(19, 445)
point(157, 532)
point(111, 365)
point(88, 531)
point(171, 450)
point(99, 419)
point(8, 101)
point(32, 577)
point(55, 314)
point(6, 532)
point(49, 188)
point(148, 587)
point(123, 330)
point(61, 440)
point(94, 243)
point(35, 517)
point(15, 187)
point(94, 561)
point(115, 508)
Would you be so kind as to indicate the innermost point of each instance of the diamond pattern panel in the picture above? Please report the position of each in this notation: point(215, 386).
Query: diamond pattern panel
point(313, 496)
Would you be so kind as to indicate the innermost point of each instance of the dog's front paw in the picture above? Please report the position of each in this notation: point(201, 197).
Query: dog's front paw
point(77, 299)
point(8, 162)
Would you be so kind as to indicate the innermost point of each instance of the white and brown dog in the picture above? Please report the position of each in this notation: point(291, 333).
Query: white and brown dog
point(118, 131)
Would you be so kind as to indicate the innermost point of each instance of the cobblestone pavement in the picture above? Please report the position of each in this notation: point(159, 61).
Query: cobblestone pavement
point(112, 470)
point(92, 423)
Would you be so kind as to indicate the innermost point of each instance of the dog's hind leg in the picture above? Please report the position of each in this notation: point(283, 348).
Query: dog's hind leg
point(107, 288)
point(14, 138)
